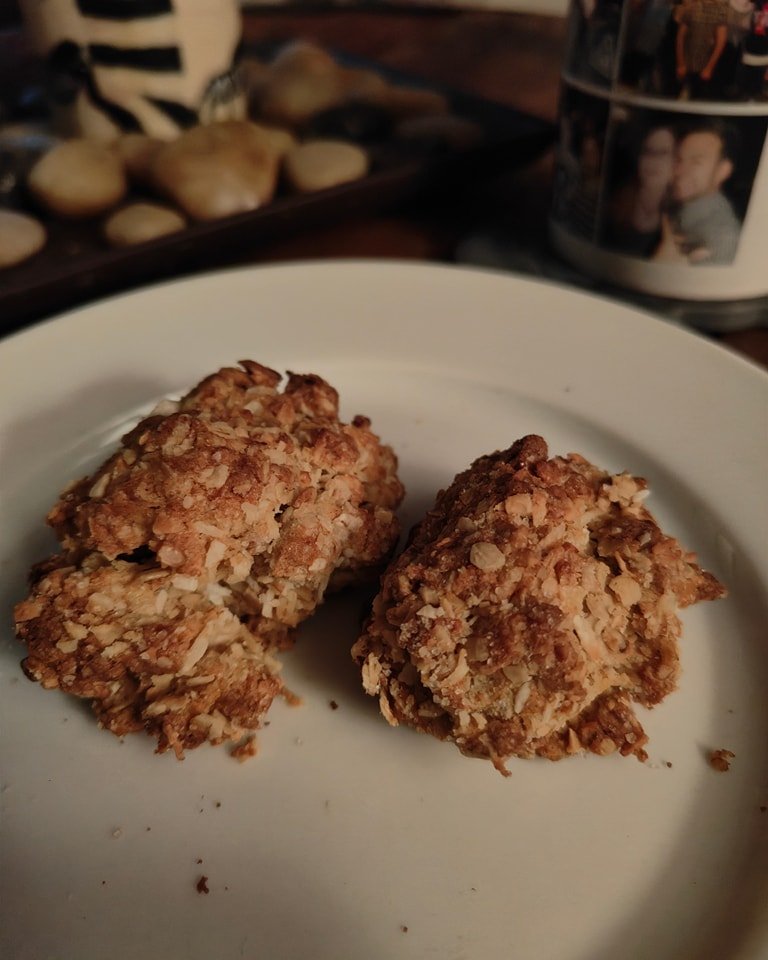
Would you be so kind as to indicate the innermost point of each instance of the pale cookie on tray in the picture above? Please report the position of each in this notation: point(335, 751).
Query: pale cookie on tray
point(302, 80)
point(78, 178)
point(319, 164)
point(141, 222)
point(21, 237)
point(360, 84)
point(221, 169)
point(442, 129)
point(402, 101)
point(533, 605)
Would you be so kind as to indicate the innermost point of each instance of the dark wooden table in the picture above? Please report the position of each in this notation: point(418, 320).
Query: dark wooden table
point(510, 58)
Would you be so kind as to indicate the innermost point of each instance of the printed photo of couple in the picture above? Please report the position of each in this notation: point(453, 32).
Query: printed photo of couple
point(712, 50)
point(668, 188)
point(678, 192)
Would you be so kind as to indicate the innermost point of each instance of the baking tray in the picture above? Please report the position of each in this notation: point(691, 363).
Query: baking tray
point(76, 266)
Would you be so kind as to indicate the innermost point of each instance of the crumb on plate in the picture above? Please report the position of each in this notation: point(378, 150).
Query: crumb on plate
point(720, 760)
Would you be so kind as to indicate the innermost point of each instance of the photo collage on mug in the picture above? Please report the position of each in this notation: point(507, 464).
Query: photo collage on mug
point(662, 125)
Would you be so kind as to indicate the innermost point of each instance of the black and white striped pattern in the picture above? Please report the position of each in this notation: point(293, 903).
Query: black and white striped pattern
point(155, 66)
point(124, 9)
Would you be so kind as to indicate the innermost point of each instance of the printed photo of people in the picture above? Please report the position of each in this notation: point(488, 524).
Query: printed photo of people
point(648, 64)
point(711, 50)
point(678, 186)
point(579, 162)
point(594, 34)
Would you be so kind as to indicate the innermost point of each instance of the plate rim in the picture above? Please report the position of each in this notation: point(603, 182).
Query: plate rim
point(386, 265)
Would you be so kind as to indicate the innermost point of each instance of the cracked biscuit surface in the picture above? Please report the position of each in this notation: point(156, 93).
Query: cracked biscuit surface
point(147, 651)
point(193, 552)
point(533, 605)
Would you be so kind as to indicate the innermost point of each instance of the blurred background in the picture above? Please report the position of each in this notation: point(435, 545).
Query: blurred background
point(497, 63)
point(9, 10)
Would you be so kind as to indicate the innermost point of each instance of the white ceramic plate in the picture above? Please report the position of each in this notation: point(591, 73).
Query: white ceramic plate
point(345, 838)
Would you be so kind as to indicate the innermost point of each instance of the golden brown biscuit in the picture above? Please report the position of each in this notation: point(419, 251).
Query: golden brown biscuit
point(218, 526)
point(535, 602)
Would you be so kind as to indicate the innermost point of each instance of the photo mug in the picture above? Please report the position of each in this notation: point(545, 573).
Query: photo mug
point(661, 182)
